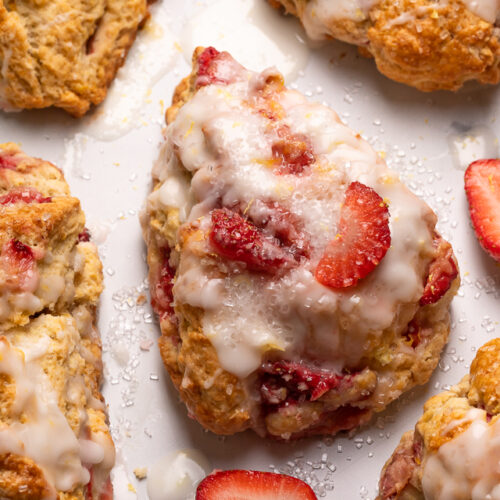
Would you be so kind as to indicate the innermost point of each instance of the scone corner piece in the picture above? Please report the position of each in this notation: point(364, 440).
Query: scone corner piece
point(73, 74)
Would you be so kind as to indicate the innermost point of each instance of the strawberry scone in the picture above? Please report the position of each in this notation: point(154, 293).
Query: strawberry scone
point(427, 44)
point(54, 437)
point(454, 451)
point(64, 53)
point(300, 286)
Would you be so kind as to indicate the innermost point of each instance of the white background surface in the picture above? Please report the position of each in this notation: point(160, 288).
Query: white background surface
point(112, 177)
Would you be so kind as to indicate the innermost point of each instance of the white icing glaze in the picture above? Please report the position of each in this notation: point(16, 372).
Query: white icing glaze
point(44, 422)
point(468, 466)
point(227, 146)
point(486, 9)
point(176, 476)
point(39, 429)
point(319, 14)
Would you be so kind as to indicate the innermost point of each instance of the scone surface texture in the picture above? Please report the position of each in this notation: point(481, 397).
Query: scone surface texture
point(63, 53)
point(55, 441)
point(256, 190)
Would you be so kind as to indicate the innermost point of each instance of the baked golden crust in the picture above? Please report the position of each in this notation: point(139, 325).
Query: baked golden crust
point(64, 54)
point(224, 403)
point(50, 282)
point(443, 420)
point(419, 43)
point(68, 272)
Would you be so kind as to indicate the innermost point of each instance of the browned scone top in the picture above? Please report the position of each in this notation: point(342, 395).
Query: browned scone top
point(426, 44)
point(54, 437)
point(453, 450)
point(64, 53)
point(250, 337)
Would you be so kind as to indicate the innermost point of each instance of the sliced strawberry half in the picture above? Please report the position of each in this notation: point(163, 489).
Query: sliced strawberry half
point(23, 195)
point(442, 272)
point(482, 187)
point(252, 485)
point(236, 238)
point(216, 67)
point(362, 241)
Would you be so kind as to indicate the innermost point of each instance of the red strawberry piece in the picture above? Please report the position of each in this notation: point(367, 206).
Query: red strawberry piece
point(412, 333)
point(293, 152)
point(300, 379)
point(442, 272)
point(362, 241)
point(8, 161)
point(161, 293)
point(252, 485)
point(216, 67)
point(18, 261)
point(23, 195)
point(84, 236)
point(482, 187)
point(280, 223)
point(235, 238)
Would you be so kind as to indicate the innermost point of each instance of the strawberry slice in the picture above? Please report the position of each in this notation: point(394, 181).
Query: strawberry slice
point(23, 195)
point(216, 67)
point(362, 241)
point(235, 238)
point(482, 187)
point(442, 272)
point(252, 485)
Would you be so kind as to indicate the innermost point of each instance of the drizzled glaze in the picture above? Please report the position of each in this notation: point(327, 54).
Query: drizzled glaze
point(486, 9)
point(467, 467)
point(225, 141)
point(40, 430)
point(320, 14)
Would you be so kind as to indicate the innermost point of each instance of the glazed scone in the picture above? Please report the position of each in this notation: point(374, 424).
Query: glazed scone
point(300, 286)
point(427, 44)
point(454, 451)
point(54, 437)
point(46, 264)
point(63, 53)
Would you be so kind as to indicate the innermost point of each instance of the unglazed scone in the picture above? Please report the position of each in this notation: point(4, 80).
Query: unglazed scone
point(300, 286)
point(63, 53)
point(427, 44)
point(454, 451)
point(54, 437)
